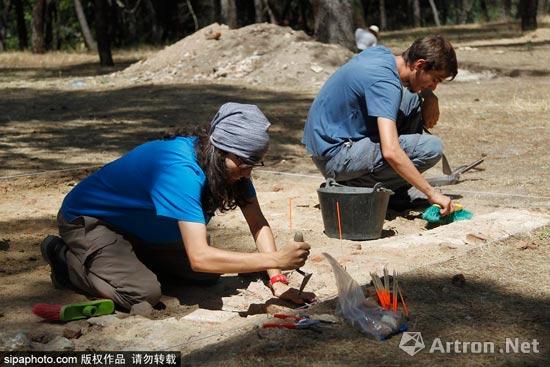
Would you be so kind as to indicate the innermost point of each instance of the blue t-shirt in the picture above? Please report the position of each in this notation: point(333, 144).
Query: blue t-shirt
point(145, 192)
point(346, 108)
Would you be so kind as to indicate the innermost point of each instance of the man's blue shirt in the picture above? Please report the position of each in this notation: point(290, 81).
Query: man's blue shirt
point(145, 192)
point(348, 104)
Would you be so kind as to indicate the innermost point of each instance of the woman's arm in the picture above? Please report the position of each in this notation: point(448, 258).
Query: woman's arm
point(260, 230)
point(265, 242)
point(207, 259)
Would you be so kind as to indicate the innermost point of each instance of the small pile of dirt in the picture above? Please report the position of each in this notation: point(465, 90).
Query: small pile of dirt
point(264, 54)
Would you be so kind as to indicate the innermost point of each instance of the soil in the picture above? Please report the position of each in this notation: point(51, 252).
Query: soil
point(63, 117)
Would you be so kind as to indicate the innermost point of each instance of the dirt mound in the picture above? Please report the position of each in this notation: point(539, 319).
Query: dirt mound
point(256, 54)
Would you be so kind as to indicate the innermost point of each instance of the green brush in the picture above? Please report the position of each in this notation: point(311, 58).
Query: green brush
point(75, 311)
point(432, 214)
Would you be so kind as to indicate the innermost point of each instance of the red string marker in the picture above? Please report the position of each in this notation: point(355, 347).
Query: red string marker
point(339, 221)
point(290, 214)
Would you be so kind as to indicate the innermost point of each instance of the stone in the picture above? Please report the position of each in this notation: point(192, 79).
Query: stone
point(41, 336)
point(260, 290)
point(142, 309)
point(103, 320)
point(72, 330)
point(213, 316)
point(60, 344)
point(236, 303)
point(326, 318)
point(273, 309)
point(316, 68)
point(19, 341)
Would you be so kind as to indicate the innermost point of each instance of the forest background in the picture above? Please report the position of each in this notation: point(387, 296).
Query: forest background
point(100, 25)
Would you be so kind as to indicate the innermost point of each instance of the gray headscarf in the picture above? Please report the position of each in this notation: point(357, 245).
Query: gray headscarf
point(241, 129)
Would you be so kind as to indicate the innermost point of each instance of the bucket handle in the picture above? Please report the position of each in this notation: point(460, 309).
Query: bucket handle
point(332, 182)
point(379, 186)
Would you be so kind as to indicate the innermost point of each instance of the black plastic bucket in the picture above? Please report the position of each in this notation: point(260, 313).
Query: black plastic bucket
point(362, 210)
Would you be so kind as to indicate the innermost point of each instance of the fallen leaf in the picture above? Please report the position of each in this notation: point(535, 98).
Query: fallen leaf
point(316, 258)
point(471, 237)
point(524, 245)
point(447, 246)
point(213, 36)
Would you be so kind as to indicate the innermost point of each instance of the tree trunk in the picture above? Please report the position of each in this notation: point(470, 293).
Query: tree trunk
point(3, 25)
point(21, 26)
point(4, 14)
point(156, 32)
point(527, 10)
point(383, 19)
point(334, 22)
point(444, 11)
point(484, 10)
point(436, 13)
point(37, 38)
point(259, 11)
point(102, 32)
point(130, 23)
point(51, 26)
point(85, 28)
point(217, 11)
point(229, 13)
point(245, 12)
point(416, 13)
point(506, 9)
point(358, 14)
point(276, 9)
point(542, 6)
point(463, 12)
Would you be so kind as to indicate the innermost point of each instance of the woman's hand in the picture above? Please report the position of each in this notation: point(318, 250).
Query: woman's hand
point(287, 293)
point(293, 255)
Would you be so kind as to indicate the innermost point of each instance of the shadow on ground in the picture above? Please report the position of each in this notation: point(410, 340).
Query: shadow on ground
point(80, 70)
point(460, 33)
point(478, 311)
point(84, 121)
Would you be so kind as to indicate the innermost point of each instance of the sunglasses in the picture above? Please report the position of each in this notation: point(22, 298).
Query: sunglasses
point(245, 165)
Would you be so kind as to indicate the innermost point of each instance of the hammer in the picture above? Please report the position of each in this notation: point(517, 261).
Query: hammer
point(299, 237)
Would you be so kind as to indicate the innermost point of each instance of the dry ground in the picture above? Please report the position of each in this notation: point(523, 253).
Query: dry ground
point(51, 120)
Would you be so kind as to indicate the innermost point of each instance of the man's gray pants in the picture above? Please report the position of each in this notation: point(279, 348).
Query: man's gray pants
point(361, 163)
point(105, 263)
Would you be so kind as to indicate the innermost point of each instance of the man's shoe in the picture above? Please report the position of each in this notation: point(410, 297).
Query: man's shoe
point(54, 252)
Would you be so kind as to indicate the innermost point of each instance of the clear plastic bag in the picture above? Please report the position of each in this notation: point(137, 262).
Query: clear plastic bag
point(364, 315)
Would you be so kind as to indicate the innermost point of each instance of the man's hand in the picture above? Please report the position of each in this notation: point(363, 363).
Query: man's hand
point(293, 255)
point(443, 201)
point(430, 109)
point(283, 291)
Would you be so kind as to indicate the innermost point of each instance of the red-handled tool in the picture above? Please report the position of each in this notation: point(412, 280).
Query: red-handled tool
point(299, 322)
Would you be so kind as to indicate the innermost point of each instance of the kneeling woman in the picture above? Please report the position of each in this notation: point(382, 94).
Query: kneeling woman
point(143, 216)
